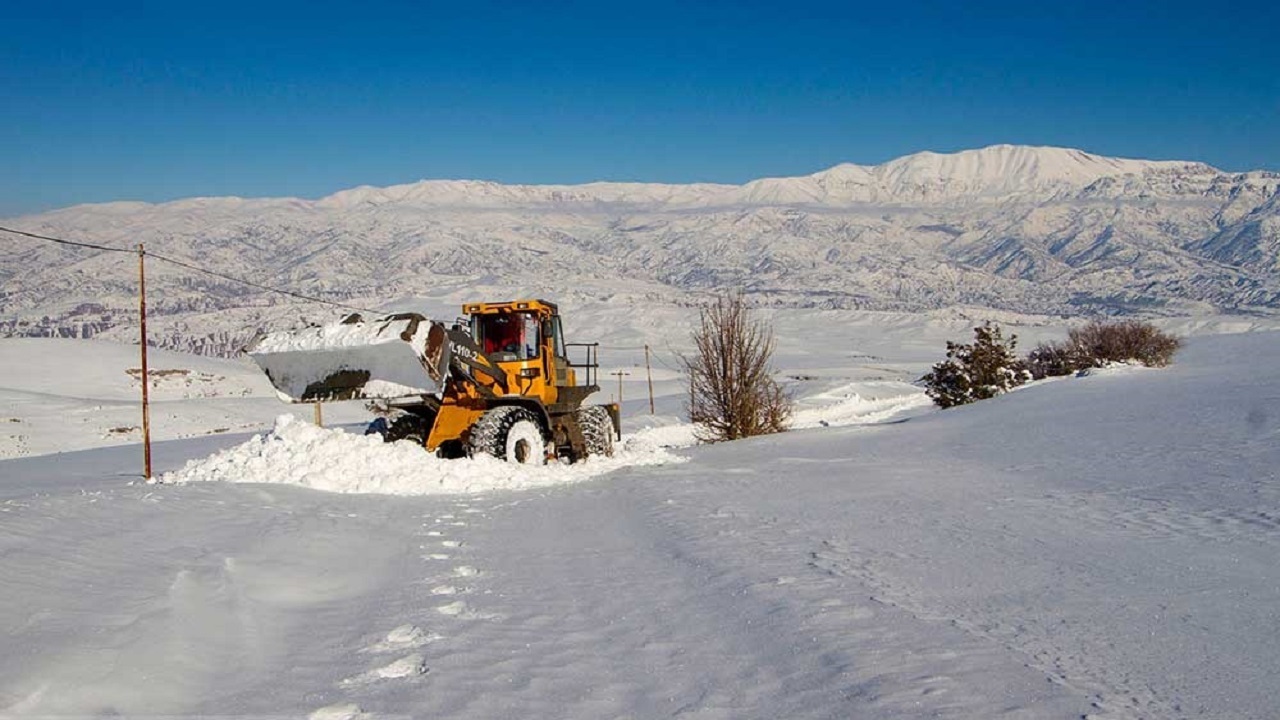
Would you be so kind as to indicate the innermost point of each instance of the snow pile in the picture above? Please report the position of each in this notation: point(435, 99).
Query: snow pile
point(341, 335)
point(862, 403)
point(386, 389)
point(669, 435)
point(298, 453)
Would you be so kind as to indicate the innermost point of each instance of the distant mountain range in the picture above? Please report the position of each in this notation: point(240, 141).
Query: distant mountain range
point(1028, 229)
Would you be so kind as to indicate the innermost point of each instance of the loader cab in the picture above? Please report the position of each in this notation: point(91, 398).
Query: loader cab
point(505, 337)
point(525, 338)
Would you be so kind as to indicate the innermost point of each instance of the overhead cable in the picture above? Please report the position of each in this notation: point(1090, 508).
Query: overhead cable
point(189, 266)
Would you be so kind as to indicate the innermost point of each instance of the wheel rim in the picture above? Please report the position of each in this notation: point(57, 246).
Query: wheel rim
point(524, 443)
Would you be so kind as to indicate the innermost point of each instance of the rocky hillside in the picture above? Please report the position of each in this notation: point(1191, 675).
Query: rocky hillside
point(1030, 229)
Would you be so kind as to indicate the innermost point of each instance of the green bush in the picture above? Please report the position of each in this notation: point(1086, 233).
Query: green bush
point(986, 368)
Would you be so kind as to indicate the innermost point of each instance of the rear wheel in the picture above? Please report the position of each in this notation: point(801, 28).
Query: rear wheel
point(510, 433)
point(597, 430)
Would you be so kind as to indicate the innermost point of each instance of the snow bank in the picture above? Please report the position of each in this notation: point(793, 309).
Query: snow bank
point(860, 403)
point(296, 452)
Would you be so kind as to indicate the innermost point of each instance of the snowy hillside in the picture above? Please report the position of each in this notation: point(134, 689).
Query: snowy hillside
point(1026, 229)
point(1097, 547)
point(997, 172)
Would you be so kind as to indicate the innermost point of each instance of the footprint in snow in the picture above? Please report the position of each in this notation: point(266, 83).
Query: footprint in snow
point(444, 590)
point(406, 667)
point(453, 609)
point(435, 556)
point(402, 638)
point(465, 571)
point(344, 711)
point(451, 543)
point(461, 610)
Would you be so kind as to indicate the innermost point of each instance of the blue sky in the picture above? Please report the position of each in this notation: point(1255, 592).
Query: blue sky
point(155, 101)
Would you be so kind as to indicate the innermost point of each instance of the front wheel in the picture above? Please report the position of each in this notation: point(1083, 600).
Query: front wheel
point(597, 430)
point(510, 433)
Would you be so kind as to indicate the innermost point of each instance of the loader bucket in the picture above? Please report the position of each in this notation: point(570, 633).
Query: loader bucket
point(392, 357)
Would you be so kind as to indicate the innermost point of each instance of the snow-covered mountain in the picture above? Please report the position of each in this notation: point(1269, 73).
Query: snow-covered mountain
point(1029, 229)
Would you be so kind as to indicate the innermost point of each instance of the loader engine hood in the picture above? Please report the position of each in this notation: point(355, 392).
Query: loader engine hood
point(397, 356)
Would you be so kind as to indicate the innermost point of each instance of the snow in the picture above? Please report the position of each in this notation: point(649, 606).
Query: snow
point(63, 395)
point(299, 453)
point(1029, 229)
point(389, 390)
point(929, 177)
point(296, 359)
point(340, 335)
point(1100, 546)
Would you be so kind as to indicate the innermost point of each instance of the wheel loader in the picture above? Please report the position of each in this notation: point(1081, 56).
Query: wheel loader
point(498, 381)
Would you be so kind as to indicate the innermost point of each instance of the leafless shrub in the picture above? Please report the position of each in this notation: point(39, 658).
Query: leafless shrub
point(1099, 343)
point(1123, 341)
point(1053, 359)
point(732, 393)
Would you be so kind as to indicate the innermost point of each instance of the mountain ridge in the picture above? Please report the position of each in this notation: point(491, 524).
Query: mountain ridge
point(1016, 228)
point(1002, 168)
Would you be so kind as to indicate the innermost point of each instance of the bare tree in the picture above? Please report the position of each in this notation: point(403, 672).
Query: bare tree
point(732, 393)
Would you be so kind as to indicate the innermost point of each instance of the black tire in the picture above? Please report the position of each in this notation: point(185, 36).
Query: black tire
point(413, 428)
point(510, 433)
point(597, 430)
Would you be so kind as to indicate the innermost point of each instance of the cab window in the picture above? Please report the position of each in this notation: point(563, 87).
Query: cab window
point(508, 336)
point(557, 336)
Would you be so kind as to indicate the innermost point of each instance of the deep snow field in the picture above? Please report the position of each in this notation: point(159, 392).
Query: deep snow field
point(1102, 546)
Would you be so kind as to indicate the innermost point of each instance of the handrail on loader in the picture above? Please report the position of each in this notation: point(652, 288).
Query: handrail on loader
point(592, 364)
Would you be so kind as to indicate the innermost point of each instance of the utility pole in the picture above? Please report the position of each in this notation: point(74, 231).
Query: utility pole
point(146, 377)
point(620, 373)
point(648, 371)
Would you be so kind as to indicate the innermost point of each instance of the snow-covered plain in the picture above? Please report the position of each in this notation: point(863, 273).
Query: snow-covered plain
point(1102, 546)
point(61, 395)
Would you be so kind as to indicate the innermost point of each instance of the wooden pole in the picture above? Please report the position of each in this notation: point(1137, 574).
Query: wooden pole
point(648, 371)
point(319, 416)
point(620, 373)
point(146, 376)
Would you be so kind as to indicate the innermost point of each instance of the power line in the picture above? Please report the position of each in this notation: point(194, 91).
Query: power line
point(60, 241)
point(189, 266)
point(268, 288)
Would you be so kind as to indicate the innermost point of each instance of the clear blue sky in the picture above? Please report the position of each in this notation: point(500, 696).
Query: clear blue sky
point(154, 101)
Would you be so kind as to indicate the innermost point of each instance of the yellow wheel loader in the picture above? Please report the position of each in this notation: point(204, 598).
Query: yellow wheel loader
point(498, 381)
